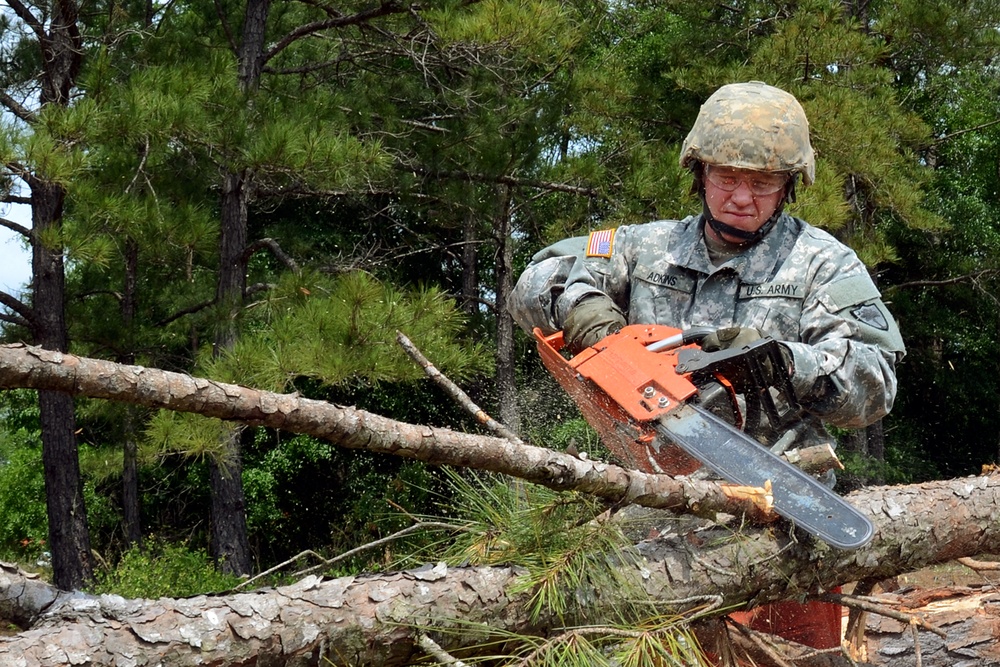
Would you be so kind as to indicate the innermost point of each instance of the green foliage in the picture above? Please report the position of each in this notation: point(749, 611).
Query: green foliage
point(162, 570)
point(346, 328)
point(23, 520)
point(24, 524)
point(305, 494)
point(570, 552)
point(568, 549)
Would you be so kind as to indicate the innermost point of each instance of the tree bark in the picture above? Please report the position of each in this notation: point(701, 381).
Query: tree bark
point(510, 416)
point(230, 544)
point(377, 619)
point(61, 54)
point(229, 541)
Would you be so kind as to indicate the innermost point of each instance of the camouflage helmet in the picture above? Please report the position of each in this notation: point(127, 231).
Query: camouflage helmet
point(752, 126)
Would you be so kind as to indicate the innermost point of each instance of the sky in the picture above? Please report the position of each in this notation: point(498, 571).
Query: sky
point(15, 258)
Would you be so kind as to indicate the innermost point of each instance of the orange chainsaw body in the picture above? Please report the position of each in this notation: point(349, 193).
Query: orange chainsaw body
point(622, 389)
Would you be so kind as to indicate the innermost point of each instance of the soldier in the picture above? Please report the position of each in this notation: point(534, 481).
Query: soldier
point(744, 267)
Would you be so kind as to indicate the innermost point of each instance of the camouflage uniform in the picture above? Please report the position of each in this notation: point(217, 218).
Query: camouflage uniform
point(798, 284)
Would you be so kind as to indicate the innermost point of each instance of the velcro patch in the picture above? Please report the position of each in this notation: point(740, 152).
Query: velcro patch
point(871, 315)
point(601, 243)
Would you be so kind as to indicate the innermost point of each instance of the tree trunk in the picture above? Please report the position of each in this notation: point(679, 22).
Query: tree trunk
point(69, 540)
point(230, 544)
point(505, 374)
point(61, 52)
point(130, 468)
point(378, 619)
point(470, 270)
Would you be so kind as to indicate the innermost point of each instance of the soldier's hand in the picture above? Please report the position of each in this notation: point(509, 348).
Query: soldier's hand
point(590, 320)
point(729, 337)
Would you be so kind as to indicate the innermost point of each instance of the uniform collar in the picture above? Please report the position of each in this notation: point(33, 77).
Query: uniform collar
point(757, 265)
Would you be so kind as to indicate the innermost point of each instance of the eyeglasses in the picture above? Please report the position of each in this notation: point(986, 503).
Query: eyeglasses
point(761, 184)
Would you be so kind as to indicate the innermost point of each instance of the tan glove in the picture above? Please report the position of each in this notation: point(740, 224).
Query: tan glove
point(590, 320)
point(729, 337)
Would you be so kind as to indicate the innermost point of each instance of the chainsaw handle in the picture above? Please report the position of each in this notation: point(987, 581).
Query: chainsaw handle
point(686, 337)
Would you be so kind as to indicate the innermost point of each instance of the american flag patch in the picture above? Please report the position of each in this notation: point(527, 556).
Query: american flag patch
point(600, 243)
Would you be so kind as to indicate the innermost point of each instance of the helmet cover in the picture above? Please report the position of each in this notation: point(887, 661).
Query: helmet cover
point(752, 126)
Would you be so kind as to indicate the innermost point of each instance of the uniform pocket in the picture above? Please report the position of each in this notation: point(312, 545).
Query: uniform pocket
point(661, 295)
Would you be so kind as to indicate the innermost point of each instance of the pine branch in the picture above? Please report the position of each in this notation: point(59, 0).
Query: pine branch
point(19, 307)
point(14, 227)
point(33, 367)
point(970, 277)
point(16, 108)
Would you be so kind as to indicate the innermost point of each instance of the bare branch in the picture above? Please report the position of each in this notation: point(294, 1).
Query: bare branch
point(971, 277)
point(13, 319)
point(275, 249)
point(16, 108)
point(225, 27)
point(190, 310)
point(29, 19)
point(14, 227)
point(454, 390)
point(384, 9)
point(958, 133)
point(441, 656)
point(17, 306)
point(882, 610)
point(979, 565)
point(507, 180)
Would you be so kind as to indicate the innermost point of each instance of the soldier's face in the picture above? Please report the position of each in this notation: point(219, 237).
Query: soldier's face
point(742, 198)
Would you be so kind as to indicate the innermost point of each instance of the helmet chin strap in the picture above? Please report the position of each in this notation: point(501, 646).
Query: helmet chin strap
point(745, 238)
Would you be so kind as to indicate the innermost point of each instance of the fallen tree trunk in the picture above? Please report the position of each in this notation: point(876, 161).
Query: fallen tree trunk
point(35, 368)
point(971, 617)
point(379, 619)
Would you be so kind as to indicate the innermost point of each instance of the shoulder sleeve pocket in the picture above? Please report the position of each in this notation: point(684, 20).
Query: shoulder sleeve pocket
point(848, 292)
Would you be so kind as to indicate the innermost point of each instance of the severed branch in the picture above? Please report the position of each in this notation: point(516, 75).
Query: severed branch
point(441, 656)
point(979, 565)
point(35, 368)
point(454, 390)
point(874, 608)
point(327, 562)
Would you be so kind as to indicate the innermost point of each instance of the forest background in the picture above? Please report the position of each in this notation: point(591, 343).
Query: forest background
point(264, 193)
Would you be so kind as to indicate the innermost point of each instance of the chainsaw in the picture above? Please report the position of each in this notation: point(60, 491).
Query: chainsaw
point(661, 404)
